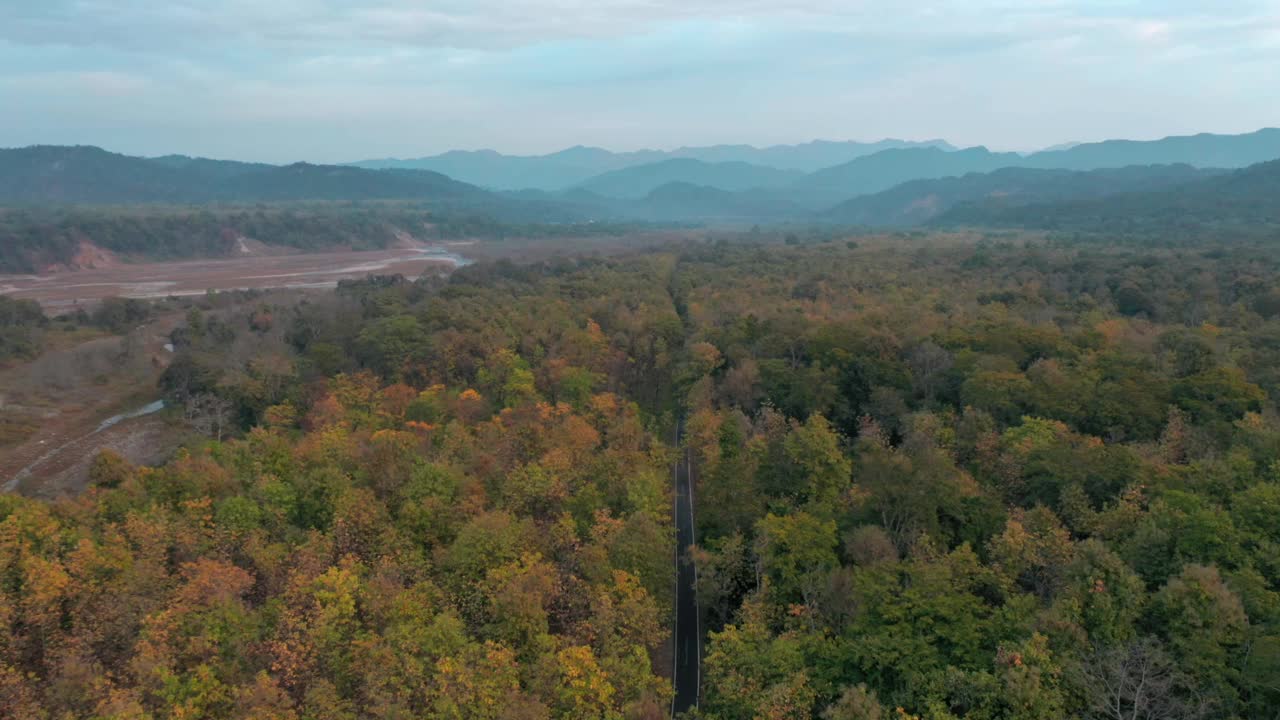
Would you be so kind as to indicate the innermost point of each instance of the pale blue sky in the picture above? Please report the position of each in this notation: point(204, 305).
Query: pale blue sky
point(336, 80)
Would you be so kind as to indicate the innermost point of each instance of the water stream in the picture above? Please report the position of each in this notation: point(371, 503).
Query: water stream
point(149, 408)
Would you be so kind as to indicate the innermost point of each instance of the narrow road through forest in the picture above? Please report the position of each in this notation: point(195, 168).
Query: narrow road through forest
point(687, 673)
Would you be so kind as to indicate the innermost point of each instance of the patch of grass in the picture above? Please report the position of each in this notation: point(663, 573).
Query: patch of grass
point(14, 430)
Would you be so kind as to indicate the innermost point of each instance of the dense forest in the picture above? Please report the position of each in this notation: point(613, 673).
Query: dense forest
point(1244, 204)
point(919, 201)
point(83, 174)
point(935, 477)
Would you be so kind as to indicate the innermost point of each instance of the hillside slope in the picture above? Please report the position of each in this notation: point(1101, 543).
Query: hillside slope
point(1203, 150)
point(919, 201)
point(884, 170)
point(875, 173)
point(1244, 201)
point(639, 181)
point(89, 175)
point(677, 202)
point(569, 167)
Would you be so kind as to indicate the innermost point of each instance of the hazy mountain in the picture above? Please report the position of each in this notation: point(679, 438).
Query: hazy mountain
point(217, 169)
point(1204, 150)
point(303, 181)
point(1061, 146)
point(675, 202)
point(638, 181)
point(1247, 199)
point(71, 175)
point(806, 157)
point(875, 173)
point(80, 174)
point(575, 165)
point(919, 201)
point(680, 201)
point(490, 169)
point(53, 174)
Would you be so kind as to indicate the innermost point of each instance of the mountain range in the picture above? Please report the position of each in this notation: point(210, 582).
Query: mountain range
point(571, 167)
point(733, 175)
point(898, 186)
point(881, 171)
point(90, 175)
point(822, 173)
point(920, 201)
point(1242, 201)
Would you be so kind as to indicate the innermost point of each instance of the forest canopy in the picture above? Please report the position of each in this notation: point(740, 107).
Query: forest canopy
point(936, 477)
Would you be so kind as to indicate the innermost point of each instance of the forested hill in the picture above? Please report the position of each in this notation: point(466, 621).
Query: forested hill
point(1202, 150)
point(898, 186)
point(685, 201)
point(918, 201)
point(875, 173)
point(572, 166)
point(576, 165)
point(1242, 202)
point(37, 239)
point(639, 181)
point(77, 175)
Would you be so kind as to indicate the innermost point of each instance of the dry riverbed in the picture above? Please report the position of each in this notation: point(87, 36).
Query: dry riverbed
point(61, 291)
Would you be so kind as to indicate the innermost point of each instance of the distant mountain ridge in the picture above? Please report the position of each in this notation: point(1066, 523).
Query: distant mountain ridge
point(1202, 150)
point(919, 201)
point(680, 201)
point(835, 171)
point(575, 165)
point(900, 185)
point(1245, 200)
point(874, 173)
point(640, 180)
point(85, 174)
point(879, 172)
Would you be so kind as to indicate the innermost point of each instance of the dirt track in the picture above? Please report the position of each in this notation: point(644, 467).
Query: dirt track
point(66, 394)
point(142, 441)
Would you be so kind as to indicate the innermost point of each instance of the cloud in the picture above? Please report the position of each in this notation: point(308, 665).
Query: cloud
point(298, 25)
point(338, 79)
point(102, 84)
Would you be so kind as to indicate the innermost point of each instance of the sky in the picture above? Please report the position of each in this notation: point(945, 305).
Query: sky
point(343, 80)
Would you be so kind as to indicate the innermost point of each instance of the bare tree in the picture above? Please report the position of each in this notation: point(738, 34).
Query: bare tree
point(209, 414)
point(1138, 681)
point(929, 362)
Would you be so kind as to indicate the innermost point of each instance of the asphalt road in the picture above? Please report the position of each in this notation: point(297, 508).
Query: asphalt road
point(687, 675)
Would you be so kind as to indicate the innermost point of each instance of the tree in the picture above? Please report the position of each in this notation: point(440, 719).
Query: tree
point(796, 553)
point(815, 448)
point(907, 494)
point(1220, 395)
point(1003, 394)
point(1034, 551)
point(855, 703)
point(1137, 680)
point(583, 688)
point(1204, 623)
point(389, 344)
point(505, 376)
point(929, 363)
point(749, 673)
point(209, 414)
